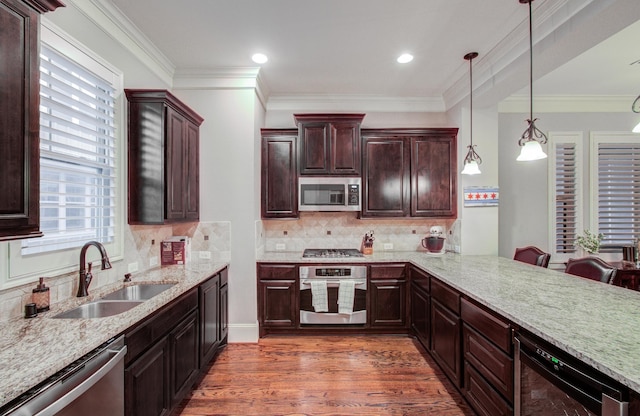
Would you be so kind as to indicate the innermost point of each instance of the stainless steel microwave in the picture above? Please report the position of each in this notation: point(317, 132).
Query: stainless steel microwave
point(325, 193)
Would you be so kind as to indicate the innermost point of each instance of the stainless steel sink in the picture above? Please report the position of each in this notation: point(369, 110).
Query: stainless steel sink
point(99, 309)
point(138, 292)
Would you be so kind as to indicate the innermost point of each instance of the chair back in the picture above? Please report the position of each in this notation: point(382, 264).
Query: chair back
point(592, 268)
point(532, 255)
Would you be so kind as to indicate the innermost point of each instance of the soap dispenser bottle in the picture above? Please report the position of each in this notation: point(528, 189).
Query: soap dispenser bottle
point(41, 296)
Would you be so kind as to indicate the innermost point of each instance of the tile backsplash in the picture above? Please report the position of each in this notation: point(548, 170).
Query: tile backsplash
point(141, 246)
point(345, 230)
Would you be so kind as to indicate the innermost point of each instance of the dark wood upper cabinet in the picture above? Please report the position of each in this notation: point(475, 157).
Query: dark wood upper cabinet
point(279, 187)
point(329, 144)
point(409, 172)
point(20, 116)
point(163, 158)
point(434, 174)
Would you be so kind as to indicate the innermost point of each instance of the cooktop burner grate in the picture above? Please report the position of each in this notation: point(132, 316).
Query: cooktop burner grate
point(332, 252)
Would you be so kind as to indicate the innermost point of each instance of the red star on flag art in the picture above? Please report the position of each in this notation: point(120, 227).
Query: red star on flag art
point(481, 196)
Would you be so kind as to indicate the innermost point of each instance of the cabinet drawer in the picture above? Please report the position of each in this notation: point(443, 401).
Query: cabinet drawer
point(277, 271)
point(484, 399)
point(490, 326)
point(139, 338)
point(488, 360)
point(420, 279)
point(445, 295)
point(387, 271)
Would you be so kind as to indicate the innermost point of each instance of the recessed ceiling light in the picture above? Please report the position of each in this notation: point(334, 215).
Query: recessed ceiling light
point(405, 58)
point(259, 58)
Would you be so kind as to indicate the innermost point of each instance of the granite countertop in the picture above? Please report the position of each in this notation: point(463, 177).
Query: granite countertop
point(595, 322)
point(33, 349)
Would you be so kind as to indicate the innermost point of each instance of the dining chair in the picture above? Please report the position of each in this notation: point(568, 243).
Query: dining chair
point(532, 255)
point(593, 268)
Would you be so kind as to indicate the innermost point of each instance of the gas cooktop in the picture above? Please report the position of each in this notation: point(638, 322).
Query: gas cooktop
point(332, 252)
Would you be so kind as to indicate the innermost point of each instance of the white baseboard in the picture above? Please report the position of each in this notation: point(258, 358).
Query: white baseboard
point(243, 333)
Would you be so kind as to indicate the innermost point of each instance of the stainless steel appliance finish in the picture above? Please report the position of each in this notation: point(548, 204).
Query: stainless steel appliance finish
point(331, 253)
point(333, 275)
point(92, 385)
point(551, 382)
point(329, 193)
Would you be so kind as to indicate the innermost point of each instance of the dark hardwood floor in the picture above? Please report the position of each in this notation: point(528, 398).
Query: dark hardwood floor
point(325, 375)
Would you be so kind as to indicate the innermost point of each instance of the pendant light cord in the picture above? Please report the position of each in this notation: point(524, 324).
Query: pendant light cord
point(471, 102)
point(530, 64)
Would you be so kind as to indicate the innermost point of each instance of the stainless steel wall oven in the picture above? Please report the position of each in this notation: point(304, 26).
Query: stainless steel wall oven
point(331, 277)
point(549, 381)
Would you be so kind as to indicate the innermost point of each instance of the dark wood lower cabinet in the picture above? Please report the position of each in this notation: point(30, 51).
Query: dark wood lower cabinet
point(481, 395)
point(147, 382)
point(167, 351)
point(278, 305)
point(185, 357)
point(420, 315)
point(445, 341)
point(388, 302)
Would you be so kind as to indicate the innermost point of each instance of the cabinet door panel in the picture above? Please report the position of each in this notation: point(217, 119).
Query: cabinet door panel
point(420, 314)
point(345, 149)
point(176, 173)
point(192, 181)
point(279, 187)
point(388, 303)
point(147, 383)
point(184, 357)
point(314, 149)
point(445, 340)
point(209, 319)
point(385, 178)
point(433, 176)
point(278, 303)
point(20, 121)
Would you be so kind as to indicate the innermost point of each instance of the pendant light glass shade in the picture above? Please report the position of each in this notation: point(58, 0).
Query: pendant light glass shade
point(472, 160)
point(636, 129)
point(532, 138)
point(531, 151)
point(471, 168)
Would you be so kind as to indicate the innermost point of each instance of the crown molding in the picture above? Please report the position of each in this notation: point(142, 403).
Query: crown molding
point(355, 103)
point(568, 104)
point(118, 27)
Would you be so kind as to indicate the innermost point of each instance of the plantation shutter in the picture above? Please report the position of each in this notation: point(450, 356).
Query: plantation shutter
point(566, 197)
point(618, 190)
point(77, 156)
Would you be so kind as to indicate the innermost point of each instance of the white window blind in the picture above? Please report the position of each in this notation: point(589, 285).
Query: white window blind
point(565, 187)
point(618, 188)
point(77, 156)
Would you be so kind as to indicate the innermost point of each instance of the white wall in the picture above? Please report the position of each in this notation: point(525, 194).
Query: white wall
point(228, 174)
point(524, 218)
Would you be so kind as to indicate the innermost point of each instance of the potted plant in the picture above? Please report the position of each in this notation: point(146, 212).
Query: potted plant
point(589, 242)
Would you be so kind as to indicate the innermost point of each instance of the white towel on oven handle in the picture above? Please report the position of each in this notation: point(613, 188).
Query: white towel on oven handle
point(346, 296)
point(319, 295)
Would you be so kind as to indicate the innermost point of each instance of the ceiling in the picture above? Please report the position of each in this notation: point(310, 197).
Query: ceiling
point(349, 47)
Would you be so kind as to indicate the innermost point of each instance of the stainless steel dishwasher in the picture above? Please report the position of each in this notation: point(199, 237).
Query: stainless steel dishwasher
point(92, 385)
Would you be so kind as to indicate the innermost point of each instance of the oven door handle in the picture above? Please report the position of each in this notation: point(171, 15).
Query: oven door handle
point(334, 283)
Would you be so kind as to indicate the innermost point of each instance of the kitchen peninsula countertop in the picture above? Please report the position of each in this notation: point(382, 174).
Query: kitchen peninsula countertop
point(595, 322)
point(32, 350)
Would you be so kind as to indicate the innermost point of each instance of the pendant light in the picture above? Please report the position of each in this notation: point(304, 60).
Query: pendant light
point(532, 138)
point(635, 107)
point(472, 160)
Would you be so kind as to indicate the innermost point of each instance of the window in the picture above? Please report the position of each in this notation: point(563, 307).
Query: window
point(616, 191)
point(77, 156)
point(80, 180)
point(565, 186)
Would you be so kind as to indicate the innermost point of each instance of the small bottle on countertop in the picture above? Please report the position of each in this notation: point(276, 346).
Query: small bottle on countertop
point(41, 296)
